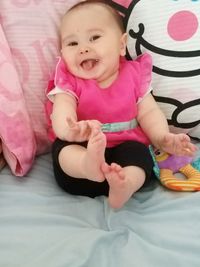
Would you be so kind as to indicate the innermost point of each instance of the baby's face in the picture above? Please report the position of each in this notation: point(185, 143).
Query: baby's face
point(92, 43)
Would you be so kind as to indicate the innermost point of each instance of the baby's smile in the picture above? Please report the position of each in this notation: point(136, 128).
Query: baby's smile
point(89, 64)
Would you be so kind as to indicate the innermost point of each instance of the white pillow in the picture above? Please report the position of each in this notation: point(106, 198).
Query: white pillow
point(170, 32)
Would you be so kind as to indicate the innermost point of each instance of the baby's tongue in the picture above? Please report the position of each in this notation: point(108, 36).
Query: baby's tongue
point(88, 64)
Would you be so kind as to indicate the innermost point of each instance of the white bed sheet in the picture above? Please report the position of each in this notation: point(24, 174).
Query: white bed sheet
point(40, 225)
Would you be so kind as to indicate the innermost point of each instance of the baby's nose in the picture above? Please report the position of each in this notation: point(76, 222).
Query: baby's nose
point(182, 25)
point(84, 50)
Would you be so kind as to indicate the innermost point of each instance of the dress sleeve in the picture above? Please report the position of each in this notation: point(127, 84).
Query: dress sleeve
point(64, 80)
point(145, 74)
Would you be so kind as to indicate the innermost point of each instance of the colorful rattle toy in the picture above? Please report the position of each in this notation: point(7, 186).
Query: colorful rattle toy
point(170, 164)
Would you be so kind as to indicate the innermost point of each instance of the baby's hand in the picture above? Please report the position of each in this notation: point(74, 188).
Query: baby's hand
point(80, 131)
point(178, 144)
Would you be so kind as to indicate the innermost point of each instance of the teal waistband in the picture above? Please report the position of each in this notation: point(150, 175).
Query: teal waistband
point(119, 126)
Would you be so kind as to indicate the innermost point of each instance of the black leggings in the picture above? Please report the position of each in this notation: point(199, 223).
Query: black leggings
point(129, 153)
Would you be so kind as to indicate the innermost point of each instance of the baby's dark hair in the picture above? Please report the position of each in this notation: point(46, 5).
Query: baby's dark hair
point(117, 17)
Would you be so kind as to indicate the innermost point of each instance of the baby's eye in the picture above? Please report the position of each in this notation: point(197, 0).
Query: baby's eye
point(94, 37)
point(72, 43)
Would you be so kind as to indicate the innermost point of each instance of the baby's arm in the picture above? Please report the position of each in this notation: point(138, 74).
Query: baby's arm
point(64, 106)
point(154, 124)
point(64, 120)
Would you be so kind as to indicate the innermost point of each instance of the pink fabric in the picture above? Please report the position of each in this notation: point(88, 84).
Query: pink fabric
point(2, 160)
point(124, 3)
point(117, 103)
point(18, 143)
point(29, 44)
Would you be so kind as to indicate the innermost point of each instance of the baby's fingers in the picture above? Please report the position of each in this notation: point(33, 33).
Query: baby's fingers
point(186, 143)
point(94, 124)
point(71, 123)
point(84, 128)
point(189, 149)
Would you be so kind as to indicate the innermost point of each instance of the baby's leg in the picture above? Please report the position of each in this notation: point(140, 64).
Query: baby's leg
point(123, 182)
point(80, 162)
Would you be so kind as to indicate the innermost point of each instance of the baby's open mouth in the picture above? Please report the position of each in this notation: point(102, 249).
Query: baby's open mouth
point(89, 64)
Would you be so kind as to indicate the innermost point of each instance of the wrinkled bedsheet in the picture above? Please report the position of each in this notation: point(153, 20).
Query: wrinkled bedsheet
point(40, 225)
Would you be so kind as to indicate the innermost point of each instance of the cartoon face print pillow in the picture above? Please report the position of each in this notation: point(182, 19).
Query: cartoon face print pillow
point(169, 30)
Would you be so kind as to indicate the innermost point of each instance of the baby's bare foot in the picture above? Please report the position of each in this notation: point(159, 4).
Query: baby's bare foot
point(120, 186)
point(94, 156)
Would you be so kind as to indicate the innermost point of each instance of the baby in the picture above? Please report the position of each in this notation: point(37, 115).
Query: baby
point(103, 115)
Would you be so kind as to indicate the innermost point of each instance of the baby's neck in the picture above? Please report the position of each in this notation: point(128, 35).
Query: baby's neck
point(105, 83)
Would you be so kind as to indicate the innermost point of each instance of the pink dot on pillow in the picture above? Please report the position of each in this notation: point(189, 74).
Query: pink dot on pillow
point(182, 25)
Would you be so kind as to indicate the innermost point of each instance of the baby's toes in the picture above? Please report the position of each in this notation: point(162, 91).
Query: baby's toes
point(116, 167)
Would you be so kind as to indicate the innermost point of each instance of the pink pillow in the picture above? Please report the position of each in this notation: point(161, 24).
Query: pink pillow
point(18, 142)
point(27, 54)
point(2, 159)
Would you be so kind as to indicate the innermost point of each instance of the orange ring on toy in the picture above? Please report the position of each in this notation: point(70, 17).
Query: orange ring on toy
point(191, 184)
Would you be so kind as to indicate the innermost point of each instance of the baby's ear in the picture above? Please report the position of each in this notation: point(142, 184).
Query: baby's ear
point(123, 41)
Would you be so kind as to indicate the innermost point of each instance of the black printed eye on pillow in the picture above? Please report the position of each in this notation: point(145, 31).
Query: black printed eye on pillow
point(170, 32)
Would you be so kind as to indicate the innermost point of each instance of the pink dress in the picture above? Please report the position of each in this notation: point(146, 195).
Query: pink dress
point(116, 103)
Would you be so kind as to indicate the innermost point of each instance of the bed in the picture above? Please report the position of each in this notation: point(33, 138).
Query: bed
point(40, 225)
